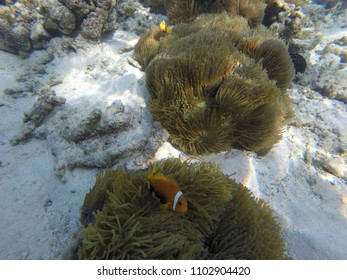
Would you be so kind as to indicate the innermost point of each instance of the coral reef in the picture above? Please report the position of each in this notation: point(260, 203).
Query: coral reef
point(216, 83)
point(304, 29)
point(330, 80)
point(123, 220)
point(27, 25)
point(15, 35)
point(59, 18)
point(289, 21)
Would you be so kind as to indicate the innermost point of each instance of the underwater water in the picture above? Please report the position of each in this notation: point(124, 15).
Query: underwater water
point(76, 98)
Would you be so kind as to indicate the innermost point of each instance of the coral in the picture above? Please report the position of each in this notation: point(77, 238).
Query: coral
point(102, 137)
point(272, 11)
point(27, 25)
point(298, 27)
point(99, 21)
point(38, 35)
point(80, 8)
point(90, 28)
point(330, 80)
point(216, 83)
point(123, 220)
point(42, 108)
point(14, 38)
point(59, 17)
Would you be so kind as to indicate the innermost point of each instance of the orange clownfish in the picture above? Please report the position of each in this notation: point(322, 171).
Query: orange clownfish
point(169, 191)
point(164, 28)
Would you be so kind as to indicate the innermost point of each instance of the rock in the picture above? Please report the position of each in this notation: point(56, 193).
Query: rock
point(100, 138)
point(41, 110)
point(336, 167)
point(59, 18)
point(99, 21)
point(14, 39)
point(343, 56)
point(21, 27)
point(110, 24)
point(77, 129)
point(331, 80)
point(27, 25)
point(92, 26)
point(38, 35)
point(328, 3)
point(342, 41)
point(19, 91)
point(79, 7)
point(112, 118)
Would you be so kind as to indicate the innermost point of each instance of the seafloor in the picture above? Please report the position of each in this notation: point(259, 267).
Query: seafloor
point(51, 96)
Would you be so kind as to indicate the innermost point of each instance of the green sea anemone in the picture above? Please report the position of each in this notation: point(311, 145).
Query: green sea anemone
point(217, 84)
point(223, 221)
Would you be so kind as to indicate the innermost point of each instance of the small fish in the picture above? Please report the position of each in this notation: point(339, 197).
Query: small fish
point(168, 189)
point(164, 28)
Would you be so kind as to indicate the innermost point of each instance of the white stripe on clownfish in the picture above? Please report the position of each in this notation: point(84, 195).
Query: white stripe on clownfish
point(177, 196)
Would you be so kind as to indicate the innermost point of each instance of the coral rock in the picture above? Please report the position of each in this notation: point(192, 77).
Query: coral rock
point(14, 39)
point(38, 35)
point(27, 25)
point(59, 18)
point(79, 7)
point(91, 27)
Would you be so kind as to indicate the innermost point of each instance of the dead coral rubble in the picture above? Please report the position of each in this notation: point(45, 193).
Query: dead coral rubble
point(42, 108)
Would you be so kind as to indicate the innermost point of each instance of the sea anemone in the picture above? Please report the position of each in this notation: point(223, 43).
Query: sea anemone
point(223, 221)
point(179, 11)
point(216, 84)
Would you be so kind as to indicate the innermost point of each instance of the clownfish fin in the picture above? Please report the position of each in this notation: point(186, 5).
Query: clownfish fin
point(155, 174)
point(151, 173)
point(165, 207)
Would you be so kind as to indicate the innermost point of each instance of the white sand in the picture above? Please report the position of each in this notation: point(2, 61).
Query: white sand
point(303, 178)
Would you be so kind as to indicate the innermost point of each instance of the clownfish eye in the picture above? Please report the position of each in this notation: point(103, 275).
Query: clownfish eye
point(180, 203)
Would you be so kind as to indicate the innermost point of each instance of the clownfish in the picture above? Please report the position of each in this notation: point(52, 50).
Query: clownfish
point(168, 189)
point(164, 28)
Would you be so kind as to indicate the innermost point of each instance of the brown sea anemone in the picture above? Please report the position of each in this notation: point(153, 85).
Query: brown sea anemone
point(223, 221)
point(216, 84)
point(179, 11)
